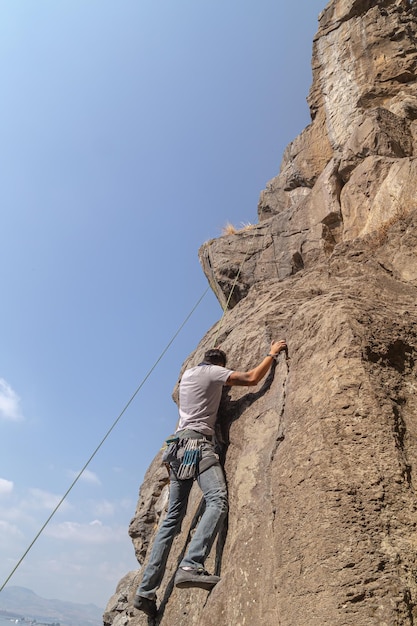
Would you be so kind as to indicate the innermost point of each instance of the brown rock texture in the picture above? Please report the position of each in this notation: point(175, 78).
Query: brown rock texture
point(321, 459)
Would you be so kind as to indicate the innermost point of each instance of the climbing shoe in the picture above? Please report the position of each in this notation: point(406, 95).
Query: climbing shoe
point(196, 577)
point(146, 605)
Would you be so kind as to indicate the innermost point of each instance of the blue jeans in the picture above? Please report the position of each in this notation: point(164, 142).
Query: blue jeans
point(213, 486)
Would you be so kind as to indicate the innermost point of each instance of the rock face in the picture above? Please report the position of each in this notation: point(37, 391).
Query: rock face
point(321, 460)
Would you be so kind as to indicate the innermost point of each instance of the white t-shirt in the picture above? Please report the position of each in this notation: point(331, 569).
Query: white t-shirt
point(200, 393)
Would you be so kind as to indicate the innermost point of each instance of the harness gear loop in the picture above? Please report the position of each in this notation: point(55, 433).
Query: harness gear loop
point(190, 460)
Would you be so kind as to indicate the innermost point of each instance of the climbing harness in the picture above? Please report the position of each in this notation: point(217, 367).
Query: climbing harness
point(188, 453)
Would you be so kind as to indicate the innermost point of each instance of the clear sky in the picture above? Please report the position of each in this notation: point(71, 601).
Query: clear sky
point(131, 131)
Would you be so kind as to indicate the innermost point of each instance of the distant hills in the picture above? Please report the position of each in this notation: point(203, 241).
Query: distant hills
point(22, 602)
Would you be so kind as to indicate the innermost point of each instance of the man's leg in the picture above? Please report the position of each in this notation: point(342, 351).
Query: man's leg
point(179, 491)
point(213, 486)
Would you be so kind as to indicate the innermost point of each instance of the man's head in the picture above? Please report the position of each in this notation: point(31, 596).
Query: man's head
point(215, 357)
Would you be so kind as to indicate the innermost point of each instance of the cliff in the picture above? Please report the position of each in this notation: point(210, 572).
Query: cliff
point(321, 460)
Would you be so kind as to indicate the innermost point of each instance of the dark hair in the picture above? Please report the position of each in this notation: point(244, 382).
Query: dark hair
point(215, 357)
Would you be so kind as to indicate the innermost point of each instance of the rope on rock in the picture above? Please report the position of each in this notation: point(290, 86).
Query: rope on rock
point(226, 306)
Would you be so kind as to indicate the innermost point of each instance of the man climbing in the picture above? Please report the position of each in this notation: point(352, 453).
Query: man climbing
point(193, 456)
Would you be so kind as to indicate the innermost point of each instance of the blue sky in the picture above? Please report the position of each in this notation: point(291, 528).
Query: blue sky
point(130, 133)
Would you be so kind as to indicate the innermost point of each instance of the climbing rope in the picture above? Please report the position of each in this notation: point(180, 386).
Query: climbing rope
point(226, 306)
point(104, 439)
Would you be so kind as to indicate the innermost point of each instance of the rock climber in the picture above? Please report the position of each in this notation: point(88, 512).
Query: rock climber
point(191, 455)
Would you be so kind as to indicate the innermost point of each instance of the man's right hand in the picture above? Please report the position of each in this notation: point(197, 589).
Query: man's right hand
point(278, 346)
point(252, 377)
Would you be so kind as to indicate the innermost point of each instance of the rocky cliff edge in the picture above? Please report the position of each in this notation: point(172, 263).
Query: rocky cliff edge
point(321, 459)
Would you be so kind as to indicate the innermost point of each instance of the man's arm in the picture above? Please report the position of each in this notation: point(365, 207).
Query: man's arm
point(252, 377)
